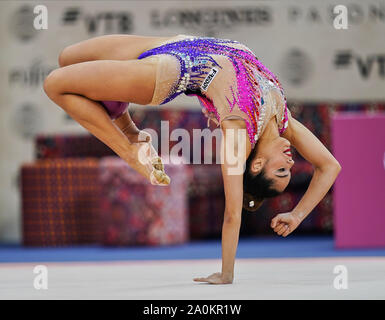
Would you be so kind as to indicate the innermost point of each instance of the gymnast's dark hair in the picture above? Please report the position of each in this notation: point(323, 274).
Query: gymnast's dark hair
point(256, 187)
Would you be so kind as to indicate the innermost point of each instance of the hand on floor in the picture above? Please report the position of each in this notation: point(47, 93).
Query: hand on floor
point(215, 278)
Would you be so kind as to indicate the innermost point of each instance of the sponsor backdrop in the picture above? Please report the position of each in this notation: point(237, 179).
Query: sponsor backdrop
point(295, 39)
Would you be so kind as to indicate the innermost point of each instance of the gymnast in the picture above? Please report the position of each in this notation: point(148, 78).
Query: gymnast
point(99, 77)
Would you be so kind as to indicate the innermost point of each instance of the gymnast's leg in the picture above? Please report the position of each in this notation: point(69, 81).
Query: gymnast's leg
point(112, 47)
point(108, 47)
point(77, 89)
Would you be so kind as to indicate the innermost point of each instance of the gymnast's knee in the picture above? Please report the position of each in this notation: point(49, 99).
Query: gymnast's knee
point(64, 58)
point(51, 84)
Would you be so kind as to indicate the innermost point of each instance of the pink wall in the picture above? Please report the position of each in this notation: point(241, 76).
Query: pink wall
point(358, 142)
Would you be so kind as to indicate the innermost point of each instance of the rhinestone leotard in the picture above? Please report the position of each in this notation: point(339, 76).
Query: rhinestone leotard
point(240, 86)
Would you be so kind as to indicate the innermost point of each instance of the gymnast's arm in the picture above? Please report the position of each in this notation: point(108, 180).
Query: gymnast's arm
point(233, 187)
point(232, 172)
point(326, 167)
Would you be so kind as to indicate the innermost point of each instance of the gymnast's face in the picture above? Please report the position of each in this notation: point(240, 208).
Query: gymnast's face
point(276, 160)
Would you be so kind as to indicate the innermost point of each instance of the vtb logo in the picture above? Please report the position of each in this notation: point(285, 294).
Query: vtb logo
point(366, 65)
point(106, 22)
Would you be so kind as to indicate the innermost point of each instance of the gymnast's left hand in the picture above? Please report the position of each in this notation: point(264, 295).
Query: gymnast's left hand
point(215, 278)
point(285, 223)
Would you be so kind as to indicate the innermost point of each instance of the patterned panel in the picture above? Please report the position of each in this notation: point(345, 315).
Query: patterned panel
point(206, 201)
point(134, 212)
point(70, 146)
point(60, 202)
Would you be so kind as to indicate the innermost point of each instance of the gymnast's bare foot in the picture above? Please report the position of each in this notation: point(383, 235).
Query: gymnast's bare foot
point(143, 158)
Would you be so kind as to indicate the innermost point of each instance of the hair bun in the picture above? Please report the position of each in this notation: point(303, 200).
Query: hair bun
point(251, 203)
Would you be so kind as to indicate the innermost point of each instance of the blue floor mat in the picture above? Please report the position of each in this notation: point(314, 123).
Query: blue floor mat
point(271, 247)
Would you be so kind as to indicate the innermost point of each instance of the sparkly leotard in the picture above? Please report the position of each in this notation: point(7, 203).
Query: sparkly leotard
point(224, 75)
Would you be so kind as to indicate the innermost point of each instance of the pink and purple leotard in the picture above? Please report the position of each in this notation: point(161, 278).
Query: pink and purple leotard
point(226, 77)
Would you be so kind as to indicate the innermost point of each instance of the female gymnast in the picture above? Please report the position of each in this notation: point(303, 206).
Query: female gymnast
point(98, 77)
